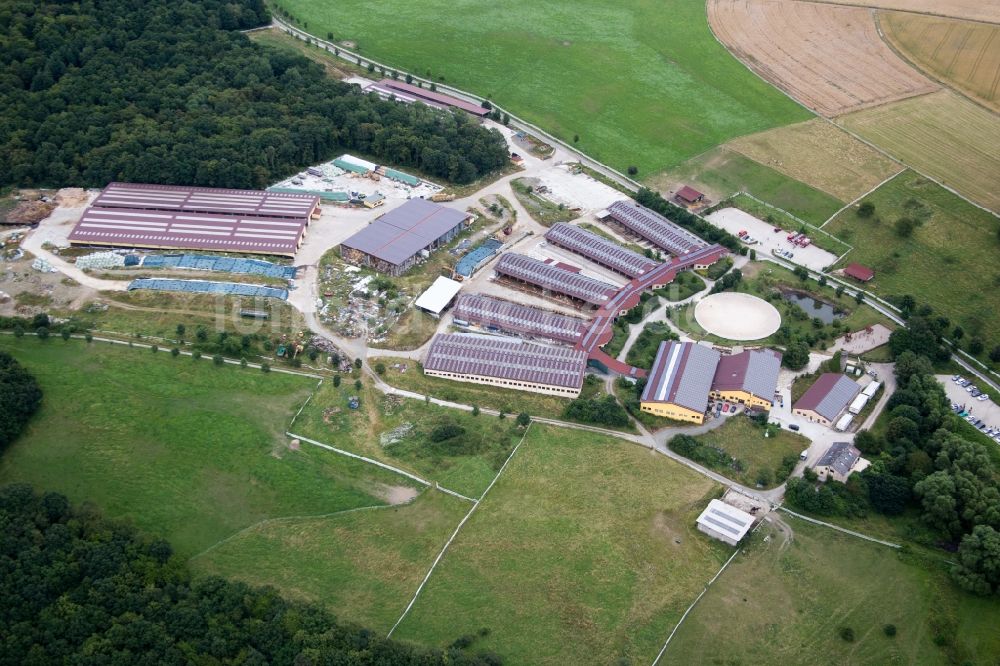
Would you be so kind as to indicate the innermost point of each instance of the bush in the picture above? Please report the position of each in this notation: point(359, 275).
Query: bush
point(523, 419)
point(380, 368)
point(42, 332)
point(601, 411)
point(446, 431)
point(889, 630)
point(336, 381)
point(847, 634)
point(265, 367)
point(218, 360)
point(195, 355)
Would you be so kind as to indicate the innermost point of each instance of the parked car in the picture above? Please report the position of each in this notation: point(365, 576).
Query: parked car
point(955, 378)
point(982, 396)
point(970, 388)
point(975, 393)
point(793, 426)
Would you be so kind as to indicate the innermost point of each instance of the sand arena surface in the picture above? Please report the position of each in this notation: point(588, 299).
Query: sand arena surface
point(736, 316)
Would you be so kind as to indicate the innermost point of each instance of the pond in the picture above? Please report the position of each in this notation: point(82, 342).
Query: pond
point(812, 307)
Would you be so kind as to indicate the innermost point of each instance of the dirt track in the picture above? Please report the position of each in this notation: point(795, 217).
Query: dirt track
point(828, 57)
point(973, 10)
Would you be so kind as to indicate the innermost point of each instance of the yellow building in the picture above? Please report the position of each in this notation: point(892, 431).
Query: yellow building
point(748, 378)
point(680, 381)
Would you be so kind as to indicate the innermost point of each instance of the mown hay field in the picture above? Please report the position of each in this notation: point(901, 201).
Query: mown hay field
point(942, 135)
point(973, 10)
point(830, 58)
point(641, 84)
point(963, 54)
point(820, 155)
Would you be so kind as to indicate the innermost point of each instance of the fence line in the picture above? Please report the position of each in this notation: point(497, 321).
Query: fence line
point(454, 534)
point(385, 466)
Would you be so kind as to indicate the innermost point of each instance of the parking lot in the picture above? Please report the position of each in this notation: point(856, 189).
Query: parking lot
point(986, 410)
point(734, 220)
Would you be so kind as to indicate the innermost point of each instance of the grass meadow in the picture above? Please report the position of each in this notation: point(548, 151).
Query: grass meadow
point(793, 599)
point(948, 262)
point(401, 432)
point(362, 565)
point(642, 84)
point(744, 440)
point(180, 448)
point(584, 552)
point(721, 172)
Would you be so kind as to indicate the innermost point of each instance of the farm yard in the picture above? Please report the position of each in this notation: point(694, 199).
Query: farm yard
point(829, 58)
point(819, 155)
point(652, 103)
point(948, 262)
point(963, 54)
point(573, 507)
point(943, 135)
point(793, 594)
point(973, 10)
point(722, 172)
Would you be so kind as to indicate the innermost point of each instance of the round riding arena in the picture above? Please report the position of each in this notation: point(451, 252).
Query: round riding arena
point(736, 316)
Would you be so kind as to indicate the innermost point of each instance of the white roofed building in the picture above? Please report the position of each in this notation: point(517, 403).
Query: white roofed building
point(724, 522)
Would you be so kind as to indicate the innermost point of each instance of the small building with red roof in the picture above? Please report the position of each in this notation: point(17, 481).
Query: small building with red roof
point(688, 195)
point(859, 272)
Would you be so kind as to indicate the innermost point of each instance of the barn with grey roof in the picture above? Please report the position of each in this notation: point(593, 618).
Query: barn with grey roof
point(394, 242)
point(550, 277)
point(840, 461)
point(680, 381)
point(506, 363)
point(827, 398)
point(501, 315)
point(600, 250)
point(749, 378)
point(655, 228)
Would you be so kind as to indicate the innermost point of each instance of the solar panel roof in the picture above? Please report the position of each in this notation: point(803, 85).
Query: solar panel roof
point(654, 227)
point(550, 277)
point(485, 356)
point(517, 318)
point(600, 249)
point(126, 227)
point(682, 375)
point(729, 520)
point(206, 200)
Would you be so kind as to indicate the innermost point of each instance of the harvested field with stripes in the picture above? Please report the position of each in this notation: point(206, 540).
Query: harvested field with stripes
point(828, 57)
point(962, 54)
point(819, 155)
point(974, 10)
point(942, 135)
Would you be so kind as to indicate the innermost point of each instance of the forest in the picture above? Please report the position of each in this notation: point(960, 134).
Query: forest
point(78, 588)
point(20, 397)
point(172, 92)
